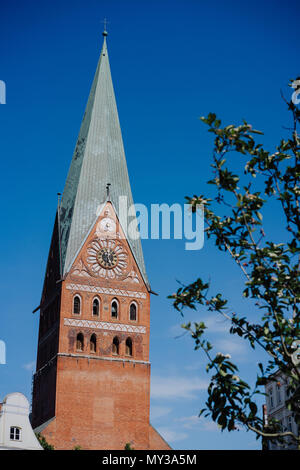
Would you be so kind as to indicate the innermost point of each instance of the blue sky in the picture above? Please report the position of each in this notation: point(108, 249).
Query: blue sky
point(172, 62)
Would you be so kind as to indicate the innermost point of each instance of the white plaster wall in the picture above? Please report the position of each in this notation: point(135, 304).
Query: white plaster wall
point(15, 412)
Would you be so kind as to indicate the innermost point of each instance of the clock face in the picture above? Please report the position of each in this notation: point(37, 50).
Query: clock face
point(107, 225)
point(107, 258)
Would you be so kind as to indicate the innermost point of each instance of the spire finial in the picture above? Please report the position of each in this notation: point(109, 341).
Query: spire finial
point(105, 23)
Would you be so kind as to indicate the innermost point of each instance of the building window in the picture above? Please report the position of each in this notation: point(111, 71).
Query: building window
point(15, 433)
point(278, 393)
point(79, 342)
point(96, 307)
point(132, 313)
point(115, 345)
point(287, 389)
point(93, 343)
point(271, 397)
point(114, 309)
point(281, 424)
point(76, 305)
point(128, 347)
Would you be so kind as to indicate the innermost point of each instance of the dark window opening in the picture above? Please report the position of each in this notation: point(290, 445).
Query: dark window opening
point(128, 347)
point(115, 345)
point(93, 343)
point(133, 312)
point(96, 306)
point(114, 309)
point(79, 342)
point(76, 305)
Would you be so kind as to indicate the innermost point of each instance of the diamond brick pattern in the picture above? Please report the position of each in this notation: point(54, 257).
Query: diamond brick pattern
point(106, 290)
point(105, 325)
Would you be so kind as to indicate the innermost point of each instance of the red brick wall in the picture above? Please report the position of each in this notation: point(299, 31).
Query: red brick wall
point(101, 399)
point(101, 404)
point(156, 441)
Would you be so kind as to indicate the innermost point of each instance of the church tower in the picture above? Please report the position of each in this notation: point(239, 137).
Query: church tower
point(92, 382)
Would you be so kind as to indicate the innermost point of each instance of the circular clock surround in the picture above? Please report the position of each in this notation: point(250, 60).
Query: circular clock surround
point(107, 258)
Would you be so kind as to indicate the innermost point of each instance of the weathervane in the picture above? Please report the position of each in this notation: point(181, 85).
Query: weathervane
point(105, 23)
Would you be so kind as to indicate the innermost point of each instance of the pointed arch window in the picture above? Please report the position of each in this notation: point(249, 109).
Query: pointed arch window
point(96, 307)
point(93, 343)
point(133, 312)
point(114, 309)
point(116, 345)
point(79, 342)
point(76, 305)
point(128, 347)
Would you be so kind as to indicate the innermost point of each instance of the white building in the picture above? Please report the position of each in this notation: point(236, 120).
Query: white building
point(15, 428)
point(275, 408)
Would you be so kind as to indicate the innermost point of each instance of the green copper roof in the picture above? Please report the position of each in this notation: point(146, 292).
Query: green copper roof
point(98, 159)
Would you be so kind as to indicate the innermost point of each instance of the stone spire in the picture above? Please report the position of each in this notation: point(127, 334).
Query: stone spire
point(98, 160)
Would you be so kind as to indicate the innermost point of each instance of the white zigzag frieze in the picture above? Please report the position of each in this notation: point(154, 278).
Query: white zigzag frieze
point(104, 325)
point(106, 290)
